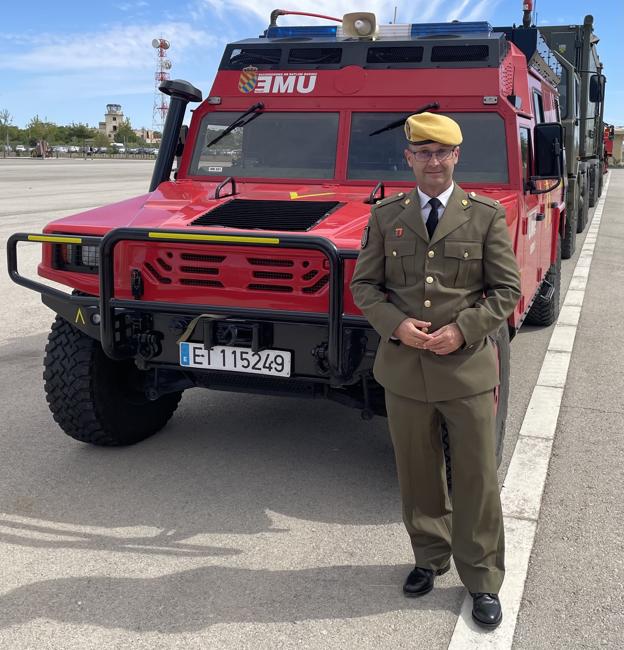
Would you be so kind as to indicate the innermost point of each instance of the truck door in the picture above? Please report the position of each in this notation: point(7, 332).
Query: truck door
point(528, 246)
point(540, 216)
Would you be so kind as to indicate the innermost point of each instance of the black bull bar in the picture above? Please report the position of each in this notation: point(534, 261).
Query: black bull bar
point(110, 308)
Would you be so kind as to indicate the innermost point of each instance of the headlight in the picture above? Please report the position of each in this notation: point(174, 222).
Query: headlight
point(77, 258)
point(89, 255)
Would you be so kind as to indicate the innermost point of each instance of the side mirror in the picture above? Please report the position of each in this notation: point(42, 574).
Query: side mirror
point(597, 88)
point(549, 155)
point(548, 150)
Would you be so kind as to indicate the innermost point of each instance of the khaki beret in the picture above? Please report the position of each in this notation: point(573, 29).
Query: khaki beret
point(432, 127)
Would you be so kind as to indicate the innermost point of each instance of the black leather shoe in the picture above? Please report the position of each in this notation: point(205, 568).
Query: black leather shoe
point(420, 581)
point(486, 610)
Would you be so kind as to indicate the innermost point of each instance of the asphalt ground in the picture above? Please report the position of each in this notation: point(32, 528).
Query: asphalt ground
point(267, 523)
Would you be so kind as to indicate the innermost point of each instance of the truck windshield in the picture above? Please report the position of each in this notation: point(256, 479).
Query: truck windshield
point(279, 145)
point(483, 154)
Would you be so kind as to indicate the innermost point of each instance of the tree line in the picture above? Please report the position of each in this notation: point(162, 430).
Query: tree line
point(75, 133)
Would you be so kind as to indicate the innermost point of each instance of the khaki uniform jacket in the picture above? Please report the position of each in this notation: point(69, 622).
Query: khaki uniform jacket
point(466, 275)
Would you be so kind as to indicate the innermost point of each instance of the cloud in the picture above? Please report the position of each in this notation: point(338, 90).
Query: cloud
point(483, 10)
point(124, 47)
point(237, 10)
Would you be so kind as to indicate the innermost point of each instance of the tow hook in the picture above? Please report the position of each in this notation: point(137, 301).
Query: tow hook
point(547, 291)
point(149, 345)
point(320, 356)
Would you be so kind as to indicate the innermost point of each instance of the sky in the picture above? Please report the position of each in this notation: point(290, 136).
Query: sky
point(65, 60)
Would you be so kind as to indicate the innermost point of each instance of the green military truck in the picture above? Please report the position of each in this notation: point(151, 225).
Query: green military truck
point(581, 105)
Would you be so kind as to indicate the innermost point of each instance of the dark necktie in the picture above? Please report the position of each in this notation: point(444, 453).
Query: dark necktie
point(432, 221)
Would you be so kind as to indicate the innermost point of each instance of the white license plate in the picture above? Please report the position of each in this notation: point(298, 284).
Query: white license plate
point(225, 357)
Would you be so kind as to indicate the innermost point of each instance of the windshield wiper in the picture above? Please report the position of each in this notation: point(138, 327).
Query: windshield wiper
point(256, 109)
point(397, 123)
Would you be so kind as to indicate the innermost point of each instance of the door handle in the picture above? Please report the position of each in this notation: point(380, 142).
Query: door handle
point(540, 216)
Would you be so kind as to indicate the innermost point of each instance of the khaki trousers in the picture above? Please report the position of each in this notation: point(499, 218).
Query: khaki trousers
point(471, 529)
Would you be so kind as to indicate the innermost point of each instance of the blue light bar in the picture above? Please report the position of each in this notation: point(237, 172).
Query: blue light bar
point(311, 31)
point(433, 29)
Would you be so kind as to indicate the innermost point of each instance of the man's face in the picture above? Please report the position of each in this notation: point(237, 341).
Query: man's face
point(433, 165)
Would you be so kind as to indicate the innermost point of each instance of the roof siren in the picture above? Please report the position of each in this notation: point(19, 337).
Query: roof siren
point(362, 25)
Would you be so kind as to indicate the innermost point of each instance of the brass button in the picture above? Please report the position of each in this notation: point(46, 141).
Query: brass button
point(407, 201)
point(427, 303)
point(425, 330)
point(401, 193)
point(430, 254)
point(394, 253)
point(429, 279)
point(465, 253)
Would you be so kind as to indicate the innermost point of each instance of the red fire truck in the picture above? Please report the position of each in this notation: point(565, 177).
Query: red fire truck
point(608, 138)
point(233, 274)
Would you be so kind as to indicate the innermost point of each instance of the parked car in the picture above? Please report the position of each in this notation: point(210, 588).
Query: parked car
point(73, 149)
point(20, 148)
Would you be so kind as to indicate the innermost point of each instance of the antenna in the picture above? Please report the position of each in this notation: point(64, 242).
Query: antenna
point(161, 101)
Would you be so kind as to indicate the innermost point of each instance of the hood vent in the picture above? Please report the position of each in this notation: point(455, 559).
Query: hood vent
point(293, 216)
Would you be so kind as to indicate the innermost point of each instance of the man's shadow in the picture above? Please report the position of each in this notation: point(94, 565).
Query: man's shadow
point(193, 600)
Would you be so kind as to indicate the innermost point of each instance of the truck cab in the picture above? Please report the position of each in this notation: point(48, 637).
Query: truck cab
point(233, 273)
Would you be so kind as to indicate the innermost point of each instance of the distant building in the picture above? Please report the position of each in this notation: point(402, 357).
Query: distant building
point(113, 118)
point(148, 135)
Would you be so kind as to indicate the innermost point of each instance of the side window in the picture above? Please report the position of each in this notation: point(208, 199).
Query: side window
point(525, 152)
point(538, 107)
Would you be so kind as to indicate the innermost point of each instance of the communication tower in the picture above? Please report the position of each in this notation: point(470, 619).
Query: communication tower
point(163, 65)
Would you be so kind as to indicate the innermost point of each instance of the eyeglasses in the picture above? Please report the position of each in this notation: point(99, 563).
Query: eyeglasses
point(425, 155)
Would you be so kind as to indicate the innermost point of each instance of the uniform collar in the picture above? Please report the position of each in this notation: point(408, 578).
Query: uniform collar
point(443, 198)
point(456, 213)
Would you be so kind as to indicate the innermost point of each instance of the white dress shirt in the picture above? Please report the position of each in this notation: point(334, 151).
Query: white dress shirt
point(425, 208)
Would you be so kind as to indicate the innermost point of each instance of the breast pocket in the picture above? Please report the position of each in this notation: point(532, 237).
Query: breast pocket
point(398, 254)
point(463, 261)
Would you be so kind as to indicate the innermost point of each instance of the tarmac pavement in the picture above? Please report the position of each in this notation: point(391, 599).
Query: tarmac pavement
point(255, 522)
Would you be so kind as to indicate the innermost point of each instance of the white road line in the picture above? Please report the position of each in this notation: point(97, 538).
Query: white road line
point(523, 488)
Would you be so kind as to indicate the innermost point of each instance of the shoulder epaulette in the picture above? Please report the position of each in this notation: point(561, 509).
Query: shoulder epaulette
point(492, 203)
point(389, 199)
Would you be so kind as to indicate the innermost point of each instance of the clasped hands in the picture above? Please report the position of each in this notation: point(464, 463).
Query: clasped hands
point(443, 341)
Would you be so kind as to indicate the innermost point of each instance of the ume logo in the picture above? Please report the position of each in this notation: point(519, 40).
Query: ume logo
point(280, 84)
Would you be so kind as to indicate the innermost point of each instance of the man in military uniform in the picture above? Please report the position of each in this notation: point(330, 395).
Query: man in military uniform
point(436, 275)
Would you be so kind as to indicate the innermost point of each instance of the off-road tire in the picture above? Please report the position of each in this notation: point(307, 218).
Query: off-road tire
point(600, 180)
point(546, 313)
point(568, 245)
point(583, 213)
point(592, 187)
point(95, 399)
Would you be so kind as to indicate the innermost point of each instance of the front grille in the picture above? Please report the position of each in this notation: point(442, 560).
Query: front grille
point(290, 216)
point(236, 270)
point(257, 261)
